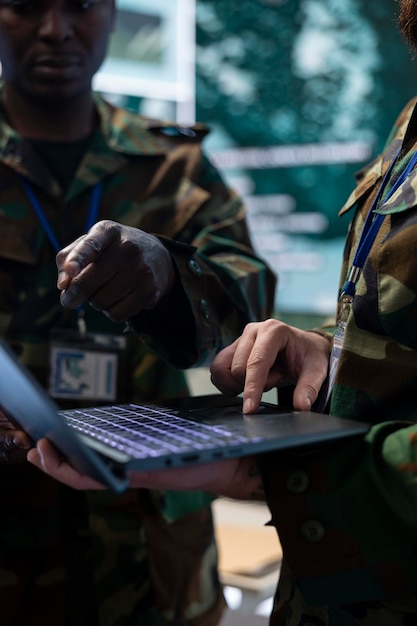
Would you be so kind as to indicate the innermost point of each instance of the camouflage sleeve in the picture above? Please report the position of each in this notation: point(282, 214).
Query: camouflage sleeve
point(347, 516)
point(222, 283)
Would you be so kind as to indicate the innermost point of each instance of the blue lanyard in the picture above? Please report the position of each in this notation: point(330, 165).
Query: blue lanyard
point(91, 218)
point(372, 225)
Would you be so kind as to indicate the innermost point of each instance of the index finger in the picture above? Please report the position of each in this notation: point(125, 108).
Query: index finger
point(258, 371)
point(253, 360)
point(75, 257)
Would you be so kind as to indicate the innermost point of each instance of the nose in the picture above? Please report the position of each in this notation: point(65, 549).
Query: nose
point(55, 24)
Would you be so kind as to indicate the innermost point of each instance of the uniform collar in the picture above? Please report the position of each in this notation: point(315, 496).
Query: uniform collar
point(403, 133)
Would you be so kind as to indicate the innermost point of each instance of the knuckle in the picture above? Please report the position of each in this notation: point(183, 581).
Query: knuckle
point(103, 225)
point(90, 245)
point(310, 388)
point(256, 359)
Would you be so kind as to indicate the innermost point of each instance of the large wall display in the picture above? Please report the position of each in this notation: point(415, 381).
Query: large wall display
point(300, 94)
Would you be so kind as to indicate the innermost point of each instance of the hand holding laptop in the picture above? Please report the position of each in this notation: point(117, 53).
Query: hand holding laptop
point(233, 478)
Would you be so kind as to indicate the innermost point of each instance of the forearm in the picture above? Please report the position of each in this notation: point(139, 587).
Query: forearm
point(219, 288)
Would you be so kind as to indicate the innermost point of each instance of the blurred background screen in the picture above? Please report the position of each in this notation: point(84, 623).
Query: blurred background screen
point(299, 94)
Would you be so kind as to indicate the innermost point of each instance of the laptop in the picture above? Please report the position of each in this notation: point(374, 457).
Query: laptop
point(104, 442)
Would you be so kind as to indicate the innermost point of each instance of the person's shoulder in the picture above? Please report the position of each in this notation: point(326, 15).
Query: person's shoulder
point(166, 132)
point(406, 111)
point(402, 122)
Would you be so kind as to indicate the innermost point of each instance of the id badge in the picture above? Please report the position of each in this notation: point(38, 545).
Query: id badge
point(321, 404)
point(338, 339)
point(85, 367)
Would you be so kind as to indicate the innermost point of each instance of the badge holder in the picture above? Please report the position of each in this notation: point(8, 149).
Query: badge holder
point(87, 367)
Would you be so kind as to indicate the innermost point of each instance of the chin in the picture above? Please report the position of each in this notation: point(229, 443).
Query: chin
point(54, 94)
point(50, 101)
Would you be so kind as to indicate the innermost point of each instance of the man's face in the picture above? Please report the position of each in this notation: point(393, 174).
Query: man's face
point(50, 49)
point(408, 21)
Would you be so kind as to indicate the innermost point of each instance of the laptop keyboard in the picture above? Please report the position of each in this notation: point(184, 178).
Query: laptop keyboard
point(141, 431)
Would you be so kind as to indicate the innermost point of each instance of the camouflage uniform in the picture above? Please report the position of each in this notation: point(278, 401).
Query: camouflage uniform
point(144, 557)
point(347, 516)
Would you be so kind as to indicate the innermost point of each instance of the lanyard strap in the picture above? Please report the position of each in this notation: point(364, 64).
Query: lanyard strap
point(91, 218)
point(372, 225)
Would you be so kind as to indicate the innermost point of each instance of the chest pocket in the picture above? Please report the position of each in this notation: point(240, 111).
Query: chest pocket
point(21, 238)
point(167, 215)
point(395, 264)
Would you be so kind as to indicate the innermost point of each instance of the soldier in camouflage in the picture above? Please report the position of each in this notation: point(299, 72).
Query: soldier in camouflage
point(144, 558)
point(346, 514)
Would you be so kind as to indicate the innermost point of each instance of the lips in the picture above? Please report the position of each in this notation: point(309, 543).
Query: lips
point(57, 60)
point(56, 66)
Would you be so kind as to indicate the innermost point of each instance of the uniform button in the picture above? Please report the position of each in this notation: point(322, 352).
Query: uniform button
point(312, 530)
point(204, 309)
point(297, 482)
point(194, 267)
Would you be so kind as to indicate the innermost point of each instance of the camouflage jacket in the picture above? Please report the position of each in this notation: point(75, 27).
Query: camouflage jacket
point(347, 514)
point(143, 558)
